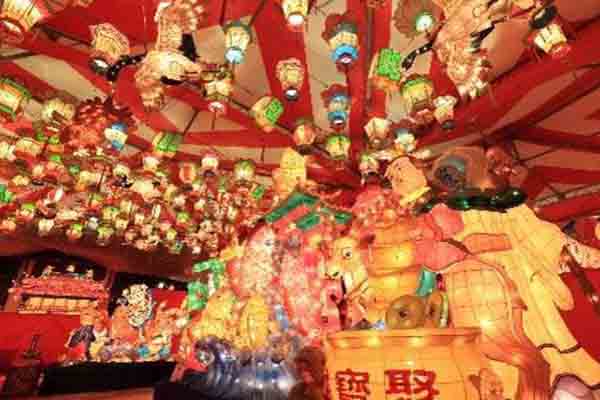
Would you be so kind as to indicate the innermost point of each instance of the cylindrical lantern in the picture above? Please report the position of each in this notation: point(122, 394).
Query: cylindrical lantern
point(337, 102)
point(244, 170)
point(166, 144)
point(218, 91)
point(417, 93)
point(237, 38)
point(266, 112)
point(57, 113)
point(295, 12)
point(404, 141)
point(209, 164)
point(188, 172)
point(45, 226)
point(305, 134)
point(386, 70)
point(116, 134)
point(290, 73)
point(13, 97)
point(338, 146)
point(552, 40)
point(342, 36)
point(377, 130)
point(105, 233)
point(444, 111)
point(368, 165)
point(109, 46)
point(74, 232)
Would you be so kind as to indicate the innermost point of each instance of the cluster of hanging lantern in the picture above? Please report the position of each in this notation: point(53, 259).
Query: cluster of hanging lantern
point(290, 73)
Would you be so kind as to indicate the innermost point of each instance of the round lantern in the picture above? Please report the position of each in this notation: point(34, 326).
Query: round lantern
point(290, 73)
point(218, 91)
point(295, 13)
point(244, 170)
point(188, 172)
point(338, 107)
point(424, 22)
point(417, 93)
point(386, 70)
point(444, 111)
point(74, 232)
point(209, 164)
point(304, 135)
point(108, 46)
point(57, 113)
point(266, 112)
point(338, 146)
point(377, 130)
point(116, 134)
point(343, 42)
point(13, 98)
point(237, 38)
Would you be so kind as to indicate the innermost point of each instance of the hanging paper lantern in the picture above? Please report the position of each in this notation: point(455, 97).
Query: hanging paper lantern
point(105, 233)
point(304, 135)
point(188, 172)
point(266, 112)
point(386, 70)
point(150, 162)
point(368, 165)
point(244, 170)
point(337, 102)
point(165, 144)
point(26, 213)
point(7, 151)
point(290, 73)
point(8, 225)
point(57, 113)
point(237, 38)
point(377, 130)
point(405, 141)
point(13, 97)
point(444, 111)
point(209, 164)
point(45, 226)
point(341, 33)
point(417, 93)
point(217, 92)
point(338, 146)
point(109, 213)
point(295, 13)
point(121, 223)
point(415, 17)
point(75, 232)
point(108, 46)
point(116, 134)
point(552, 40)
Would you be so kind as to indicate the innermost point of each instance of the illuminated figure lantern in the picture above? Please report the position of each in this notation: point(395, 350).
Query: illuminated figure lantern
point(444, 111)
point(13, 97)
point(548, 34)
point(266, 112)
point(166, 144)
point(108, 46)
point(244, 170)
point(290, 73)
point(377, 130)
point(368, 166)
point(337, 102)
point(75, 232)
point(341, 33)
point(295, 13)
point(237, 38)
point(404, 141)
point(209, 164)
point(217, 92)
point(338, 146)
point(305, 134)
point(386, 70)
point(417, 93)
point(116, 134)
point(188, 172)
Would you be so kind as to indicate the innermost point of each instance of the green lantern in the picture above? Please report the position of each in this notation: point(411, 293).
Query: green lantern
point(266, 112)
point(244, 170)
point(386, 70)
point(166, 144)
point(338, 146)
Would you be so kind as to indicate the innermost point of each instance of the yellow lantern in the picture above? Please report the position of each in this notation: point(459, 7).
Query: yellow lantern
point(290, 73)
point(109, 46)
point(217, 92)
point(377, 130)
point(13, 97)
point(57, 113)
point(305, 134)
point(266, 112)
point(237, 38)
point(244, 170)
point(209, 164)
point(338, 146)
point(295, 12)
point(417, 93)
point(444, 111)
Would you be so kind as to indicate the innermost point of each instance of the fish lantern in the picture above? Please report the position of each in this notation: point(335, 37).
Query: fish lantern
point(26, 213)
point(304, 135)
point(386, 70)
point(116, 134)
point(295, 13)
point(217, 92)
point(337, 102)
point(188, 172)
point(338, 146)
point(548, 34)
point(108, 46)
point(377, 130)
point(57, 113)
point(74, 232)
point(166, 144)
point(444, 111)
point(341, 34)
point(368, 166)
point(13, 98)
point(244, 170)
point(209, 164)
point(237, 38)
point(290, 73)
point(105, 233)
point(405, 141)
point(266, 112)
point(45, 226)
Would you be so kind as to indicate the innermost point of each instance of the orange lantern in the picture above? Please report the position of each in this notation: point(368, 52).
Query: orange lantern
point(217, 92)
point(290, 73)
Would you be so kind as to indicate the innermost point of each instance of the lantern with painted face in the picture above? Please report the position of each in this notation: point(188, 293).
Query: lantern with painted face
point(108, 46)
point(377, 130)
point(295, 13)
point(386, 70)
point(244, 170)
point(290, 73)
point(188, 172)
point(237, 38)
point(405, 141)
point(444, 111)
point(266, 112)
point(13, 97)
point(338, 146)
point(341, 34)
point(368, 166)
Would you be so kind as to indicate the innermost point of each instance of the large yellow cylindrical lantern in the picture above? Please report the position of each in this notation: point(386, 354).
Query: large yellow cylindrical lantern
point(266, 112)
point(290, 73)
point(237, 38)
point(295, 12)
point(109, 45)
point(13, 98)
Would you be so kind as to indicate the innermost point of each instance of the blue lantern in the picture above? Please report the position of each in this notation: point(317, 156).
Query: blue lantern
point(116, 134)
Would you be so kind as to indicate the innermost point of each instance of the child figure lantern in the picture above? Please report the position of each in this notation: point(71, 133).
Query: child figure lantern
point(337, 101)
point(341, 33)
point(237, 38)
point(290, 73)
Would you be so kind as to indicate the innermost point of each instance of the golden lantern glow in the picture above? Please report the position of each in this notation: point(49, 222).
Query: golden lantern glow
point(57, 113)
point(109, 46)
point(13, 98)
point(218, 91)
point(209, 163)
point(305, 134)
point(338, 146)
point(417, 93)
point(343, 43)
point(290, 73)
point(552, 40)
point(377, 130)
point(244, 170)
point(444, 111)
point(295, 12)
point(237, 38)
point(266, 112)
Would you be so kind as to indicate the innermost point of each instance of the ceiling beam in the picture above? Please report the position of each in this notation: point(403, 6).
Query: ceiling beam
point(567, 176)
point(252, 137)
point(545, 137)
point(570, 208)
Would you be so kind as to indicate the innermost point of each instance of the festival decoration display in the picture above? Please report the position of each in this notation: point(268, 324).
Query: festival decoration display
point(295, 13)
point(417, 92)
point(237, 38)
point(386, 70)
point(444, 111)
point(266, 112)
point(290, 74)
point(337, 101)
point(377, 130)
point(109, 46)
point(13, 97)
point(341, 34)
point(415, 17)
point(217, 91)
point(338, 146)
